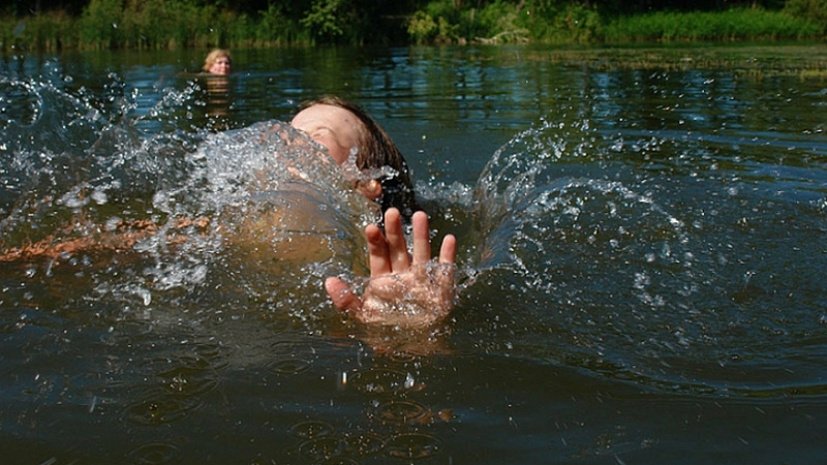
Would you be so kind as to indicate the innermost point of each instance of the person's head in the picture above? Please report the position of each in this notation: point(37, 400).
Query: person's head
point(218, 62)
point(342, 126)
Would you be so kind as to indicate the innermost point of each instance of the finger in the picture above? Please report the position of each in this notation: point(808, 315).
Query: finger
point(421, 238)
point(448, 250)
point(397, 246)
point(341, 295)
point(378, 258)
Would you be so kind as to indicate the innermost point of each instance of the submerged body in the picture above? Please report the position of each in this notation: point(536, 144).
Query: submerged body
point(296, 224)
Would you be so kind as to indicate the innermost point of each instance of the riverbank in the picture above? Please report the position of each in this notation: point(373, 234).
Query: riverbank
point(106, 24)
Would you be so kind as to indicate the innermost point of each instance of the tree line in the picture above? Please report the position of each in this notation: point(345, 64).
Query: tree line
point(164, 24)
point(76, 7)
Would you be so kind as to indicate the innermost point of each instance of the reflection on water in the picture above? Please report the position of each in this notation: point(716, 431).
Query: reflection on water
point(642, 247)
point(218, 95)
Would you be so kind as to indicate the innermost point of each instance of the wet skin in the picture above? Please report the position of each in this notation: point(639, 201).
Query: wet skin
point(222, 66)
point(403, 290)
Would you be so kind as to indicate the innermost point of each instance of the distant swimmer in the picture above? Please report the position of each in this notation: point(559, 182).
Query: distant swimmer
point(218, 62)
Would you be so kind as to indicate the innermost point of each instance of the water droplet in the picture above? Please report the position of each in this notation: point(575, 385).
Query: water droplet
point(412, 446)
point(311, 429)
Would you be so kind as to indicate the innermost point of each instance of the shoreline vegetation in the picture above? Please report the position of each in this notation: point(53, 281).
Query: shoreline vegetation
point(59, 25)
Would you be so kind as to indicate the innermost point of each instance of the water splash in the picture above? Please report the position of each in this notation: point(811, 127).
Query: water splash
point(598, 239)
point(260, 212)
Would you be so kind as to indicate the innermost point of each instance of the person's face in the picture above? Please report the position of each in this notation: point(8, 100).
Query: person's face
point(333, 127)
point(221, 66)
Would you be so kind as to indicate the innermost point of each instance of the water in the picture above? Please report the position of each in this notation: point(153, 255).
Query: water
point(641, 234)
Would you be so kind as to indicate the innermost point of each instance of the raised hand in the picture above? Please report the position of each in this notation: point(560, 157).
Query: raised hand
point(406, 290)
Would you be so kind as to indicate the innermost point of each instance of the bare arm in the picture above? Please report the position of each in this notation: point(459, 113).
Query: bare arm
point(123, 237)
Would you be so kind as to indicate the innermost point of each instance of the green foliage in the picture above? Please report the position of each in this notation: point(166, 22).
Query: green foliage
point(552, 21)
point(322, 20)
point(50, 31)
point(538, 16)
point(498, 22)
point(159, 24)
point(442, 21)
point(156, 24)
point(277, 28)
point(735, 24)
point(447, 9)
point(811, 10)
point(337, 21)
point(422, 27)
point(437, 23)
point(100, 24)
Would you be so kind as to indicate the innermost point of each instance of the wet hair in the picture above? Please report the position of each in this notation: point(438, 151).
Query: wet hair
point(378, 150)
point(213, 56)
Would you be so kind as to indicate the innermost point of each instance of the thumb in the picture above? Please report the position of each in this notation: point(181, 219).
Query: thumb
point(342, 296)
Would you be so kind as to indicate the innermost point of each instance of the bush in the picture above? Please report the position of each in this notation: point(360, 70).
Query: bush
point(554, 22)
point(442, 22)
point(498, 22)
point(447, 18)
point(323, 20)
point(422, 27)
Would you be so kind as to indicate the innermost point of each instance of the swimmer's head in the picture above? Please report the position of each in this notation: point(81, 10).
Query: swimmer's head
point(332, 126)
point(343, 127)
point(218, 62)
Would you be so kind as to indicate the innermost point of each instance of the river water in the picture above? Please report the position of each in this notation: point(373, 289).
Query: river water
point(642, 236)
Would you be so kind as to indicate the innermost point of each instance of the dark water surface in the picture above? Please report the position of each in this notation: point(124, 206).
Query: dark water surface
point(642, 258)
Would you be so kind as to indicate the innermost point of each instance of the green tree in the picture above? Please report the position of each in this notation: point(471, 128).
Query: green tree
point(323, 20)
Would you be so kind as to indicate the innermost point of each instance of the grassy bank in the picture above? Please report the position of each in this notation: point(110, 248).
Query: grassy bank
point(170, 24)
point(734, 25)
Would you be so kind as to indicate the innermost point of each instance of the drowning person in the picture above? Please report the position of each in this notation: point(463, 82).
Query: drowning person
point(404, 289)
point(398, 279)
